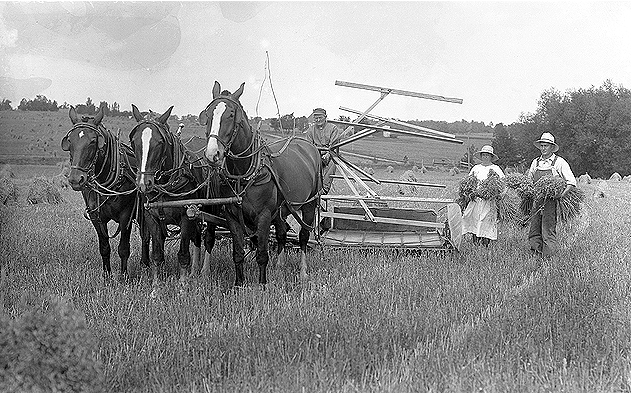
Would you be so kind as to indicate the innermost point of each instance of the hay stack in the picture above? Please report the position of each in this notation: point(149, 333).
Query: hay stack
point(584, 179)
point(42, 190)
point(8, 192)
point(390, 169)
point(7, 172)
point(615, 177)
point(60, 181)
point(410, 177)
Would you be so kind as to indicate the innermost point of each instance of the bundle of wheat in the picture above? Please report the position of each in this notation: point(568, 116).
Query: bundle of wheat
point(491, 187)
point(569, 207)
point(525, 189)
point(515, 180)
point(548, 187)
point(7, 172)
point(467, 188)
point(8, 192)
point(42, 190)
point(508, 207)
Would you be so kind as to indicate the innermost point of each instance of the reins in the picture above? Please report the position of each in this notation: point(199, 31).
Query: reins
point(113, 154)
point(179, 159)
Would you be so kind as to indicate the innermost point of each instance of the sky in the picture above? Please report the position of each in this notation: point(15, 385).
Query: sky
point(498, 57)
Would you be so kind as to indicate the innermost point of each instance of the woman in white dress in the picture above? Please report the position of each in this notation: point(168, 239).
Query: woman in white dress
point(480, 216)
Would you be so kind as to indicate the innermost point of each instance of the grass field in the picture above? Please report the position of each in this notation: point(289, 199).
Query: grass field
point(483, 320)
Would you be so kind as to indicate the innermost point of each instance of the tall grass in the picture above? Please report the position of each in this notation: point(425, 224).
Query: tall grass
point(493, 319)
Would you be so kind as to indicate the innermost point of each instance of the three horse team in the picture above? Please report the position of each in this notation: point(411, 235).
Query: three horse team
point(241, 182)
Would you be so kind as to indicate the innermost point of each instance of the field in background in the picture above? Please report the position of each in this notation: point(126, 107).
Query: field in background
point(35, 138)
point(491, 320)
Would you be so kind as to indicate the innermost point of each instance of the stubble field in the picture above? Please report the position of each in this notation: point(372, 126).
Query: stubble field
point(493, 320)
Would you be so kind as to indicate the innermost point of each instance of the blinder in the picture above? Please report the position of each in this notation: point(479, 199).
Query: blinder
point(165, 134)
point(239, 118)
point(100, 143)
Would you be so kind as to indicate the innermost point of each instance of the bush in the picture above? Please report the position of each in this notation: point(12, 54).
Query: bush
point(48, 350)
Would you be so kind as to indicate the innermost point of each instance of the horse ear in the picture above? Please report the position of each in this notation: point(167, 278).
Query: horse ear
point(100, 141)
point(239, 91)
point(99, 116)
point(136, 113)
point(216, 90)
point(165, 116)
point(65, 144)
point(72, 113)
point(203, 118)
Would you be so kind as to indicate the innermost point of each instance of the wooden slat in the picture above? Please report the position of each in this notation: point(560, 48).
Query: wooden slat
point(407, 183)
point(385, 199)
point(385, 220)
point(402, 123)
point(399, 92)
point(361, 202)
point(396, 131)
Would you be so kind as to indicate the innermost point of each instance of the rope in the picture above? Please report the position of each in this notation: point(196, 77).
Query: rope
point(268, 72)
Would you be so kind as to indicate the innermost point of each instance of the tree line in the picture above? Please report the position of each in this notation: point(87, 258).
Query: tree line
point(591, 126)
point(43, 104)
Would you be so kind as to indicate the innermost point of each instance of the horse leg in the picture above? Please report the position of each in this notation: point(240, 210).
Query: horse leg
point(209, 243)
point(123, 246)
point(262, 244)
point(280, 228)
point(157, 248)
point(308, 216)
point(238, 254)
point(145, 239)
point(104, 248)
point(196, 251)
point(187, 235)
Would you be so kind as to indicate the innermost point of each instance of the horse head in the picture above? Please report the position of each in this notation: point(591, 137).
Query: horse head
point(223, 118)
point(152, 143)
point(84, 141)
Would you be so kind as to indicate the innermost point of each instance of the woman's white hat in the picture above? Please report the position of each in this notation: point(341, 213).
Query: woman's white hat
point(546, 137)
point(486, 149)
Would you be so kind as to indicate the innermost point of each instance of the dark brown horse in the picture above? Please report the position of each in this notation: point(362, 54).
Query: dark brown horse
point(103, 169)
point(273, 180)
point(167, 172)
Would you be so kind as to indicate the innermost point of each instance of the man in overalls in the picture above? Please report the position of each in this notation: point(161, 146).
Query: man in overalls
point(542, 236)
point(324, 135)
